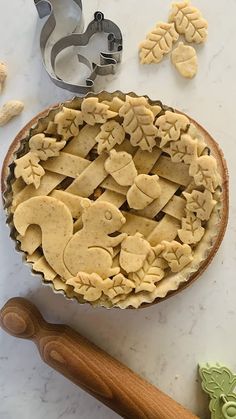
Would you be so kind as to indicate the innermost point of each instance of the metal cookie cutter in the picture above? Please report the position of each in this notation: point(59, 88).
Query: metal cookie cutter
point(108, 60)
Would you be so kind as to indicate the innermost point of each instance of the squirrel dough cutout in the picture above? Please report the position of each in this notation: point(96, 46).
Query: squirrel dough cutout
point(56, 223)
point(89, 250)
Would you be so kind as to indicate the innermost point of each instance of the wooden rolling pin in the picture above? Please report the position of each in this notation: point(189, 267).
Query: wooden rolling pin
point(88, 366)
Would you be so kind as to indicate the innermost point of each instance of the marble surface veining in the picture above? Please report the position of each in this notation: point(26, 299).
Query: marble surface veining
point(163, 343)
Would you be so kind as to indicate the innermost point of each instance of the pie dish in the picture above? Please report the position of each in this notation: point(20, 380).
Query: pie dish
point(115, 199)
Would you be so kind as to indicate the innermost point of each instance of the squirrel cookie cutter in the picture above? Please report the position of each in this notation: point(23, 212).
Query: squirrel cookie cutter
point(108, 60)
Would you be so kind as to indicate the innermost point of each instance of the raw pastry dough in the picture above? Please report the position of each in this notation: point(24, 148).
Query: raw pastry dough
point(158, 43)
point(99, 199)
point(189, 22)
point(184, 58)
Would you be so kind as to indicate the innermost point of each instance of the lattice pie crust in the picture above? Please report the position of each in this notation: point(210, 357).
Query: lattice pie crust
point(115, 199)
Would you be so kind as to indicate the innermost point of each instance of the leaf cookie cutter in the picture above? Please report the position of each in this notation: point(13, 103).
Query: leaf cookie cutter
point(108, 60)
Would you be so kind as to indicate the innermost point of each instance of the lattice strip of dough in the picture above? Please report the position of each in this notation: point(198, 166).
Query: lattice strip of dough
point(41, 265)
point(34, 257)
point(66, 164)
point(70, 200)
point(134, 223)
point(85, 184)
point(115, 197)
point(31, 240)
point(48, 182)
point(144, 160)
point(166, 229)
point(167, 191)
point(176, 172)
point(84, 141)
point(51, 180)
point(17, 186)
point(175, 207)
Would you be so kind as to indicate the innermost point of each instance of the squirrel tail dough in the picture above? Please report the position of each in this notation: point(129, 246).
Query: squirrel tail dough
point(56, 223)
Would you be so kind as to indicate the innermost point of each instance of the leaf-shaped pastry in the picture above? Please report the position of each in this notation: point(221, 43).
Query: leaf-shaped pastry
point(158, 43)
point(177, 255)
point(88, 285)
point(111, 133)
point(192, 230)
point(170, 126)
point(68, 122)
point(94, 111)
point(138, 122)
point(184, 58)
point(201, 203)
point(205, 173)
point(189, 21)
point(114, 104)
point(29, 169)
point(185, 149)
point(45, 147)
point(119, 284)
point(148, 275)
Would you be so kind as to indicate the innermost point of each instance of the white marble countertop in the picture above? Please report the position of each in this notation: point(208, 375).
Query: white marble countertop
point(164, 343)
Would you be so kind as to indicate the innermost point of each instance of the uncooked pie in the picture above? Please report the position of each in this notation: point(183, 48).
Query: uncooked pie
point(115, 199)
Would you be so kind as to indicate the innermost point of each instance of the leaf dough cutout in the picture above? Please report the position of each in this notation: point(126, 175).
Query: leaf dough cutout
point(170, 126)
point(189, 21)
point(68, 122)
point(192, 230)
point(138, 122)
point(95, 112)
point(111, 133)
point(205, 173)
point(29, 169)
point(185, 149)
point(177, 255)
point(45, 147)
point(88, 285)
point(158, 43)
point(201, 203)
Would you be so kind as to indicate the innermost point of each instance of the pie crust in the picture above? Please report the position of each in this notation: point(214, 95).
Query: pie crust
point(123, 206)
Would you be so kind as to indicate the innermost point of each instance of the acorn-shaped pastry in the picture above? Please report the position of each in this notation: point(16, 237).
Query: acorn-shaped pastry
point(134, 250)
point(121, 167)
point(145, 189)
